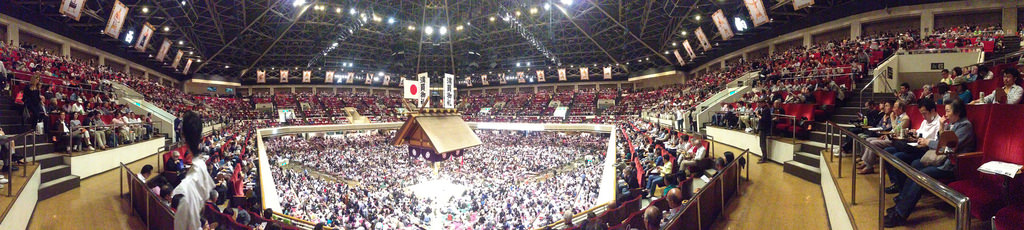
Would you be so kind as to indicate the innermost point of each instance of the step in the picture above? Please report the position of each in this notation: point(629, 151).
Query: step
point(52, 173)
point(32, 139)
point(58, 186)
point(49, 160)
point(803, 171)
point(821, 126)
point(40, 148)
point(812, 147)
point(809, 159)
point(848, 110)
point(10, 118)
point(842, 119)
point(820, 136)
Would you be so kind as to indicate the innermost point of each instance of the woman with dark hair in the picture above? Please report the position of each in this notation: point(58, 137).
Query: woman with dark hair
point(197, 183)
point(33, 100)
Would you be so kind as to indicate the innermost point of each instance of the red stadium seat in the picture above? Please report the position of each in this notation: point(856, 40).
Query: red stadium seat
point(1000, 144)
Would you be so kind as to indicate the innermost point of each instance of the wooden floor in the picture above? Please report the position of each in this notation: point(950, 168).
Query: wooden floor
point(930, 213)
point(93, 205)
point(17, 182)
point(773, 200)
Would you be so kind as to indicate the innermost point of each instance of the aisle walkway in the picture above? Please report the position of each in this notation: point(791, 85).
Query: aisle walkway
point(773, 200)
point(93, 205)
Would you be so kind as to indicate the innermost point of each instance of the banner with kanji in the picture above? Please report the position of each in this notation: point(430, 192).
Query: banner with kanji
point(117, 17)
point(261, 76)
point(584, 74)
point(704, 43)
point(424, 80)
point(757, 13)
point(329, 77)
point(724, 28)
point(521, 77)
point(387, 79)
point(679, 57)
point(143, 41)
point(469, 82)
point(306, 75)
point(177, 59)
point(369, 79)
point(483, 80)
point(502, 78)
point(284, 76)
point(800, 4)
point(72, 8)
point(164, 48)
point(540, 75)
point(561, 74)
point(449, 91)
point(351, 78)
point(689, 49)
point(187, 65)
point(607, 72)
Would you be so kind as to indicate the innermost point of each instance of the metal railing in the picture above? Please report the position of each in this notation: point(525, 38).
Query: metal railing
point(9, 162)
point(92, 128)
point(960, 202)
point(940, 50)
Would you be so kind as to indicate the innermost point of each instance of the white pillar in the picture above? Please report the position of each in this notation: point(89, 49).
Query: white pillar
point(771, 49)
point(12, 35)
point(856, 29)
point(102, 60)
point(65, 50)
point(927, 23)
point(1010, 20)
point(808, 40)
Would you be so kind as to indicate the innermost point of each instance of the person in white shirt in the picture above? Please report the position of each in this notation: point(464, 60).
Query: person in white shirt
point(694, 153)
point(1010, 88)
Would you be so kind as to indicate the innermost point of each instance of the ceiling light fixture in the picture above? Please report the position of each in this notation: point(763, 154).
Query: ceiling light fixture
point(145, 10)
point(547, 6)
point(428, 30)
point(298, 2)
point(697, 17)
point(567, 2)
point(181, 42)
point(391, 20)
point(167, 29)
point(443, 30)
point(491, 19)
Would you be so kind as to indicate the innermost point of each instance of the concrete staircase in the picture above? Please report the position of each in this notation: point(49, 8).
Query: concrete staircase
point(56, 175)
point(805, 163)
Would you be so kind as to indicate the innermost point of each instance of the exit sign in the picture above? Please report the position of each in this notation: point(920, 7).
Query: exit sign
point(938, 66)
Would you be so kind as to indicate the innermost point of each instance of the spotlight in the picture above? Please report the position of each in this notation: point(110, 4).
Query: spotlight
point(190, 53)
point(298, 2)
point(225, 66)
point(411, 28)
point(518, 64)
point(458, 28)
point(381, 73)
point(527, 64)
point(518, 13)
point(167, 29)
point(182, 3)
point(682, 32)
point(666, 52)
point(697, 17)
point(547, 6)
point(533, 10)
point(443, 30)
point(567, 2)
point(181, 42)
point(335, 44)
point(674, 44)
point(337, 10)
point(491, 18)
point(391, 20)
point(428, 30)
point(145, 10)
point(352, 11)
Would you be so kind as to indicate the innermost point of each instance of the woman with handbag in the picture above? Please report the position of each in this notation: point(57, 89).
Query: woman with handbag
point(33, 100)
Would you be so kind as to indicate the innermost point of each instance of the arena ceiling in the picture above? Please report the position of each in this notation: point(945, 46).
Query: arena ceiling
point(236, 37)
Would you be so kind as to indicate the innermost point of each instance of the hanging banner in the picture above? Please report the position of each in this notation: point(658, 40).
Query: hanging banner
point(584, 74)
point(679, 57)
point(261, 76)
point(284, 76)
point(412, 90)
point(483, 80)
point(608, 72)
point(351, 78)
point(689, 49)
point(724, 28)
point(143, 41)
point(757, 13)
point(540, 75)
point(424, 92)
point(329, 77)
point(469, 82)
point(800, 4)
point(387, 79)
point(502, 78)
point(306, 75)
point(520, 77)
point(561, 74)
point(164, 48)
point(449, 91)
point(177, 59)
point(369, 79)
point(72, 8)
point(187, 65)
point(117, 16)
point(703, 39)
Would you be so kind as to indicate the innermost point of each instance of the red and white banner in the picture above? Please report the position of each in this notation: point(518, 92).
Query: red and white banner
point(306, 75)
point(177, 59)
point(369, 79)
point(411, 89)
point(117, 17)
point(469, 82)
point(540, 76)
point(424, 96)
point(561, 74)
point(501, 78)
point(483, 80)
point(689, 49)
point(724, 28)
point(187, 65)
point(387, 79)
point(679, 57)
point(329, 77)
point(520, 76)
point(800, 4)
point(757, 13)
point(261, 76)
point(143, 41)
point(72, 8)
point(584, 74)
point(351, 78)
point(164, 48)
point(703, 39)
point(284, 76)
point(607, 72)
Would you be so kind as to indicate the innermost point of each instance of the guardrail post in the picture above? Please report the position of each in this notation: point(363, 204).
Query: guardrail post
point(10, 166)
point(853, 177)
point(881, 193)
point(839, 173)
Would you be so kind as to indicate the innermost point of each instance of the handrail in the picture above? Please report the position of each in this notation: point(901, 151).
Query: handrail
point(950, 196)
point(696, 196)
point(940, 50)
point(9, 140)
point(68, 87)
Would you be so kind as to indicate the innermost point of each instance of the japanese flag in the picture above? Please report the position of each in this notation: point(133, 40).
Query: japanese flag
point(412, 89)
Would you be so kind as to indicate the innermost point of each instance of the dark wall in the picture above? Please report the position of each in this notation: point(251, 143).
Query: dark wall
point(895, 25)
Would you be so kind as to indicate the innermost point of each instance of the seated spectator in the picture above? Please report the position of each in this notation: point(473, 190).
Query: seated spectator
point(906, 150)
point(652, 218)
point(145, 172)
point(904, 95)
point(1010, 89)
